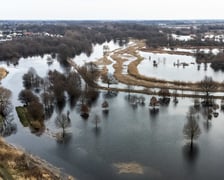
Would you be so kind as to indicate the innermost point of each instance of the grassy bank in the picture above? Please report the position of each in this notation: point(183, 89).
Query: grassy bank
point(15, 164)
point(27, 120)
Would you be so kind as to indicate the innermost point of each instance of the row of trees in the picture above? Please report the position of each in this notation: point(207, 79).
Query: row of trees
point(79, 37)
point(76, 39)
point(42, 95)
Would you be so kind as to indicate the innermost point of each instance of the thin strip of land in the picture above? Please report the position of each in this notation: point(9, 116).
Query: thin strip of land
point(134, 78)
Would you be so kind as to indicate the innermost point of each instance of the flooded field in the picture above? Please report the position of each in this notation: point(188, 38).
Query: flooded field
point(130, 141)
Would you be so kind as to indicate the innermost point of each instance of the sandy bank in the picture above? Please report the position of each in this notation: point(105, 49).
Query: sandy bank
point(3, 73)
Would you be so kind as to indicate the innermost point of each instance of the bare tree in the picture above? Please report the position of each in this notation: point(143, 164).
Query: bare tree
point(84, 111)
point(165, 93)
point(36, 110)
point(130, 88)
point(142, 100)
point(175, 100)
point(73, 85)
point(154, 102)
point(5, 96)
point(6, 116)
point(191, 129)
point(107, 78)
point(89, 73)
point(26, 97)
point(207, 85)
point(63, 121)
point(32, 80)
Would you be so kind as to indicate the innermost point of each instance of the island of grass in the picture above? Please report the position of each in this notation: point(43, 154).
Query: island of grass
point(36, 125)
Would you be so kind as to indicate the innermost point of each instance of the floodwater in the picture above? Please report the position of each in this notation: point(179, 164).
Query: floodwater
point(167, 68)
point(127, 134)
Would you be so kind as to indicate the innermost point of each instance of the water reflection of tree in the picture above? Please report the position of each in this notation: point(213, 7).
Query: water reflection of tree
point(153, 113)
point(96, 121)
point(191, 129)
point(207, 115)
point(207, 112)
point(48, 101)
point(65, 140)
point(97, 131)
point(190, 154)
point(110, 94)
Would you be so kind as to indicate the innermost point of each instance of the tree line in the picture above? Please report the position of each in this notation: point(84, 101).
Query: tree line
point(76, 38)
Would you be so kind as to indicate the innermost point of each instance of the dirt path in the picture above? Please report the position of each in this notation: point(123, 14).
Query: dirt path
point(134, 78)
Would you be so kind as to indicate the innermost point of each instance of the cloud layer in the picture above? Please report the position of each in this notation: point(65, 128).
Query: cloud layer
point(111, 10)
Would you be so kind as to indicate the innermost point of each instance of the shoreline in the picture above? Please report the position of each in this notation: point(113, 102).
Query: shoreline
point(16, 163)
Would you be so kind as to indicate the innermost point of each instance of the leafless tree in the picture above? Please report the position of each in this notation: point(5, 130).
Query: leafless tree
point(63, 121)
point(31, 79)
point(73, 85)
point(191, 129)
point(153, 102)
point(5, 96)
point(89, 73)
point(107, 78)
point(26, 97)
point(207, 85)
point(6, 116)
point(141, 100)
point(130, 88)
point(164, 93)
point(36, 110)
point(84, 111)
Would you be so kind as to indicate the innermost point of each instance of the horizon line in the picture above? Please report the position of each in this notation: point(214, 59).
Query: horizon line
point(112, 19)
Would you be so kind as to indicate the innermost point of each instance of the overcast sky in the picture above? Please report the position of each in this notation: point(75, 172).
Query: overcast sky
point(111, 10)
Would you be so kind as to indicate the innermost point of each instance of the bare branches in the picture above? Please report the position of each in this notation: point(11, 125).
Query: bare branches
point(191, 129)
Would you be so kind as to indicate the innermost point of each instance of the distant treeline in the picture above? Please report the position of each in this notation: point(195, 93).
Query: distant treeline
point(79, 37)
